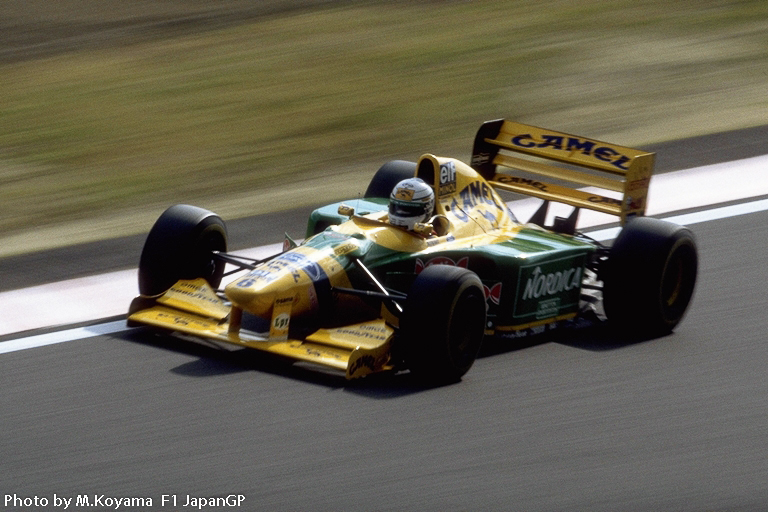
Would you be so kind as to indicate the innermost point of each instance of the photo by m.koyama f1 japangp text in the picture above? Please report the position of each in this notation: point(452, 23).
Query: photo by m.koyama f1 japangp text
point(430, 261)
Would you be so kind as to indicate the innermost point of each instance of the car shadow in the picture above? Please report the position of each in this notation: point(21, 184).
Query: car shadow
point(215, 359)
point(592, 334)
point(601, 338)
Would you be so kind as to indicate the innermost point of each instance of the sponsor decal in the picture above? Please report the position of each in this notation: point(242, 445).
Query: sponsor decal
point(314, 351)
point(256, 275)
point(549, 288)
point(290, 261)
point(300, 261)
point(641, 184)
point(404, 193)
point(604, 200)
point(345, 248)
point(490, 217)
point(334, 235)
point(636, 203)
point(431, 242)
point(447, 179)
point(440, 260)
point(281, 321)
point(372, 332)
point(516, 180)
point(477, 195)
point(528, 331)
point(194, 291)
point(480, 159)
point(548, 308)
point(572, 145)
point(183, 321)
point(492, 293)
point(540, 284)
point(281, 318)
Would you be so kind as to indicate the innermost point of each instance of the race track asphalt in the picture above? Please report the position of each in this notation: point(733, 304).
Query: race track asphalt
point(583, 421)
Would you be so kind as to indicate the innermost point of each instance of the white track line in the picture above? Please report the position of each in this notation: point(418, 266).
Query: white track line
point(688, 219)
point(52, 338)
point(84, 299)
point(79, 300)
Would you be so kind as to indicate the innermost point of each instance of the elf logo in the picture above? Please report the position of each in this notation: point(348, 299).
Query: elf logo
point(447, 178)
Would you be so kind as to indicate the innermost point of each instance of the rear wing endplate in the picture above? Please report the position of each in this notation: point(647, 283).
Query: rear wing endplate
point(526, 153)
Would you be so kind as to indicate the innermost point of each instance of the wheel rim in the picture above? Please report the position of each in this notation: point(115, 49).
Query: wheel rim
point(465, 339)
point(677, 282)
point(673, 285)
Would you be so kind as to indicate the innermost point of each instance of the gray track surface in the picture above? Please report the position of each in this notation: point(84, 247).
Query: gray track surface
point(585, 421)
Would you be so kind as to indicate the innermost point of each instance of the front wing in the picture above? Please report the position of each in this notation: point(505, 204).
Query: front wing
point(357, 349)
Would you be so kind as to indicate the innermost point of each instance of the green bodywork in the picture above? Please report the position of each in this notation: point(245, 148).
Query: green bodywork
point(329, 215)
point(531, 277)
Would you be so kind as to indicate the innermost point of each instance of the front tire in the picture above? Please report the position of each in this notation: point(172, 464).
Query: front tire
point(180, 246)
point(443, 323)
point(650, 277)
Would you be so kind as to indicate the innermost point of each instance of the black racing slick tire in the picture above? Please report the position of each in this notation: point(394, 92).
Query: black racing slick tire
point(649, 277)
point(180, 246)
point(389, 175)
point(443, 323)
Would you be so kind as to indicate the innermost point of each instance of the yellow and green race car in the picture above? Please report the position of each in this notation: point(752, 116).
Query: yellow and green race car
point(363, 293)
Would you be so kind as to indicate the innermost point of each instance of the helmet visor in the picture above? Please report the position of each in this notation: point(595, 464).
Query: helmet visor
point(407, 210)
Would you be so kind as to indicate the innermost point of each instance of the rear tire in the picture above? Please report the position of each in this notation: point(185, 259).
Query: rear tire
point(389, 175)
point(650, 277)
point(180, 246)
point(443, 323)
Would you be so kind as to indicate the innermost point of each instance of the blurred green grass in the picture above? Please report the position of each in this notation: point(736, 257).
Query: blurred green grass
point(302, 108)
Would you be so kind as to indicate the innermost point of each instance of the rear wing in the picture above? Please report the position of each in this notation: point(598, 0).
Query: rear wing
point(512, 145)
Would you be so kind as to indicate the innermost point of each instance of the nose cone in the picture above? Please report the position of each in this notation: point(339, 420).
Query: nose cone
point(256, 293)
point(301, 273)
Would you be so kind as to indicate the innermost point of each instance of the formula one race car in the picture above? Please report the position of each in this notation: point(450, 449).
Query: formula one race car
point(363, 293)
